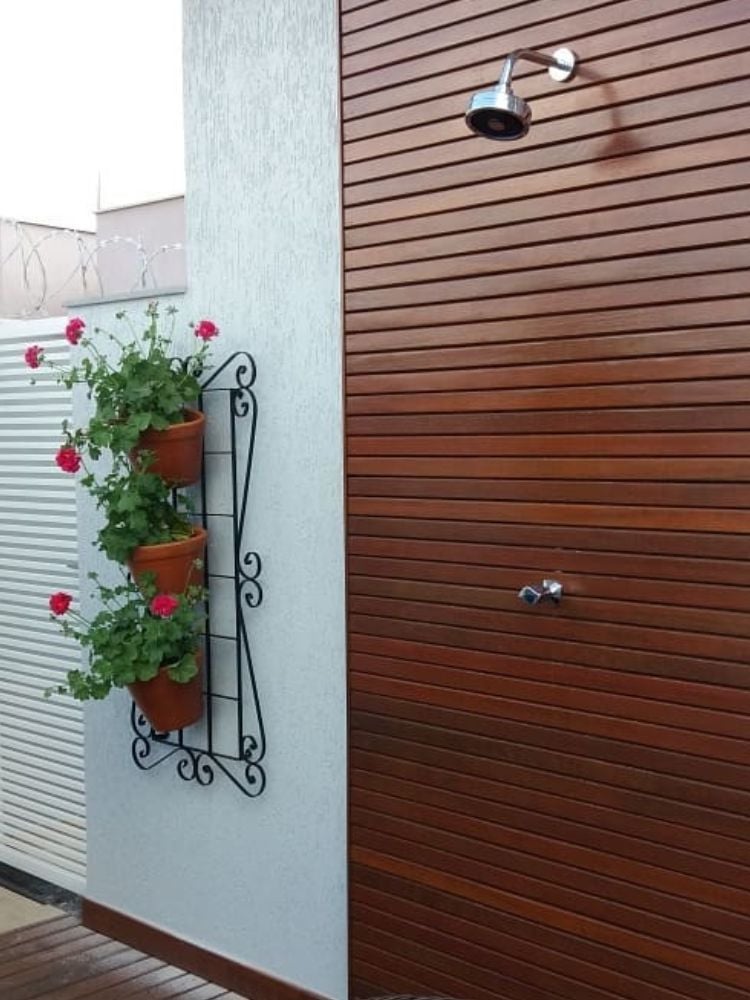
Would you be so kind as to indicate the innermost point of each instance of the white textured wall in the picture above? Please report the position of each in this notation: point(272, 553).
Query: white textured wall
point(262, 881)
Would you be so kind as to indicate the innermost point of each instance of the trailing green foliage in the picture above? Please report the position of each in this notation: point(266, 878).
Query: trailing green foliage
point(137, 508)
point(143, 387)
point(131, 640)
point(135, 385)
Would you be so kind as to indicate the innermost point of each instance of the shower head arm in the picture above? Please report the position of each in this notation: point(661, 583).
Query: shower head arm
point(561, 64)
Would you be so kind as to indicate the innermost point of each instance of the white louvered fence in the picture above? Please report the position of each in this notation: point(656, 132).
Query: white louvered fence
point(42, 810)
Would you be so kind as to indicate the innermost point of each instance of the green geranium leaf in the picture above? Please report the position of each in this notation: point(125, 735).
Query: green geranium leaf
point(143, 420)
point(185, 669)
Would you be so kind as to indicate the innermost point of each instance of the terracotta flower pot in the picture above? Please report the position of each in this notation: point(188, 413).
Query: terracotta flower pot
point(167, 704)
point(178, 450)
point(173, 563)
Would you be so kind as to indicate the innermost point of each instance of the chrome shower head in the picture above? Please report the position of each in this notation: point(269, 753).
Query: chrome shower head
point(498, 114)
point(501, 114)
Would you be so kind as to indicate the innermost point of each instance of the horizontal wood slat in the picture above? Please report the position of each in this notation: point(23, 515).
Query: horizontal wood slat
point(469, 558)
point(494, 578)
point(546, 491)
point(414, 84)
point(583, 768)
point(547, 375)
point(557, 648)
point(581, 515)
point(422, 56)
point(524, 942)
point(528, 865)
point(375, 798)
point(530, 302)
point(659, 157)
point(533, 256)
point(660, 178)
point(733, 443)
point(557, 801)
point(708, 469)
point(618, 421)
point(606, 397)
point(543, 691)
point(434, 162)
point(562, 349)
point(419, 22)
point(417, 113)
point(362, 13)
point(646, 267)
point(431, 125)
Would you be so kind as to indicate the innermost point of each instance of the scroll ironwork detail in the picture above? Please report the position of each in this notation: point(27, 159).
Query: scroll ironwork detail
point(231, 738)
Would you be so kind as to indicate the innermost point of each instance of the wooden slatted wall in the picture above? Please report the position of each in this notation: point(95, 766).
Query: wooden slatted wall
point(548, 373)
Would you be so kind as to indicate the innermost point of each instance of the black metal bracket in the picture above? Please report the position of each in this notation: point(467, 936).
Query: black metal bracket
point(231, 737)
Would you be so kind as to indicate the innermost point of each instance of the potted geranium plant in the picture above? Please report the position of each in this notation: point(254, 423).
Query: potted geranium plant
point(144, 528)
point(143, 395)
point(142, 414)
point(141, 639)
point(146, 635)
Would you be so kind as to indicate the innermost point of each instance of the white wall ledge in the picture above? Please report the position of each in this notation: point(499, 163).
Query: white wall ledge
point(146, 293)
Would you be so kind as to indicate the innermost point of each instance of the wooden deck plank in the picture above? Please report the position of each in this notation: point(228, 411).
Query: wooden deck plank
point(34, 931)
point(186, 986)
point(52, 973)
point(53, 948)
point(66, 936)
point(120, 981)
point(145, 984)
point(61, 960)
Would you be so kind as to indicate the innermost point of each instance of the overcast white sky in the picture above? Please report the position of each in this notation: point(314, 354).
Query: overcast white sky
point(88, 88)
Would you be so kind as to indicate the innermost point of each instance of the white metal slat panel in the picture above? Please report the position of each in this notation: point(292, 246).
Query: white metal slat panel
point(42, 804)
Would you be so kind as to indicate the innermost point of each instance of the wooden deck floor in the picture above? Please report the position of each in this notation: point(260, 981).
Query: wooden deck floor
point(61, 960)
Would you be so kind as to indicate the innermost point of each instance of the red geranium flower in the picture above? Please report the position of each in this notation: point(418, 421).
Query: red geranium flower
point(206, 330)
point(68, 459)
point(74, 330)
point(163, 605)
point(33, 356)
point(59, 602)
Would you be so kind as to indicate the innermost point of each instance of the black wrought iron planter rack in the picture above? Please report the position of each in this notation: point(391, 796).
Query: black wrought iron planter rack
point(231, 737)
